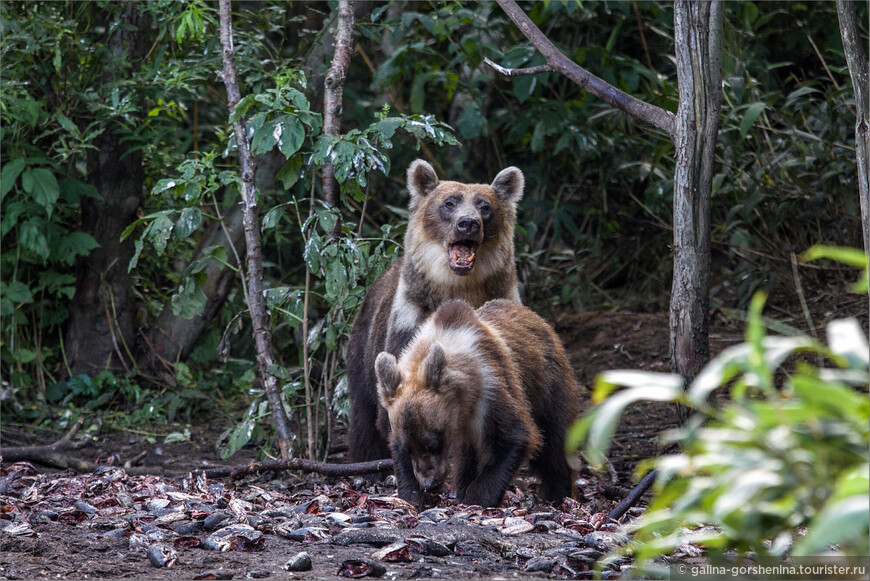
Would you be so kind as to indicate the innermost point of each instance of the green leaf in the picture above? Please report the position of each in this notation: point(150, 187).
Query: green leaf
point(643, 386)
point(73, 245)
point(291, 135)
point(189, 301)
point(265, 137)
point(188, 223)
point(10, 217)
point(32, 238)
point(845, 338)
point(159, 230)
point(74, 190)
point(24, 356)
point(471, 123)
point(46, 190)
point(240, 436)
point(16, 291)
point(753, 110)
point(841, 521)
point(290, 172)
point(9, 174)
point(336, 279)
point(524, 86)
point(849, 256)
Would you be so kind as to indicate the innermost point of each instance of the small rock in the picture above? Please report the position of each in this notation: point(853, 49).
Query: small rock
point(423, 572)
point(299, 562)
point(257, 574)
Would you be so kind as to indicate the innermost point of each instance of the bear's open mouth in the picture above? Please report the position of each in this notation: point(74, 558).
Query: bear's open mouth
point(460, 256)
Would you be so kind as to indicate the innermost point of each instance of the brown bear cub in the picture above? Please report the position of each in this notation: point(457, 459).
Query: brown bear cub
point(482, 391)
point(459, 245)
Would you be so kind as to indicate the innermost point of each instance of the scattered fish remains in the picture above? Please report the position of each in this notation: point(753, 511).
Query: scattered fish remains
point(366, 530)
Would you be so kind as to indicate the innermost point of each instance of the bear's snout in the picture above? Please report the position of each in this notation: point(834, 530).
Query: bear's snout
point(468, 226)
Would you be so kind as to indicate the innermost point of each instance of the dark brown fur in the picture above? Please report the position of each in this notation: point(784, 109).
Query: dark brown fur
point(487, 389)
point(459, 245)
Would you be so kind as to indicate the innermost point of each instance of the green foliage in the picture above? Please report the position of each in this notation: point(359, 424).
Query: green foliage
point(788, 448)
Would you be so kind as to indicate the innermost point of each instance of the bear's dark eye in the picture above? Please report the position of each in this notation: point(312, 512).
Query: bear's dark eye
point(450, 203)
point(485, 210)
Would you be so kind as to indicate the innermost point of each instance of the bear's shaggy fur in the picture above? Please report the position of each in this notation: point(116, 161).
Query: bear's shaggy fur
point(482, 391)
point(459, 245)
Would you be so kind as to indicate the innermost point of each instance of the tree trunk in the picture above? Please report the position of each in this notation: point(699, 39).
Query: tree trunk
point(698, 43)
point(859, 70)
point(262, 329)
point(172, 337)
point(333, 87)
point(100, 334)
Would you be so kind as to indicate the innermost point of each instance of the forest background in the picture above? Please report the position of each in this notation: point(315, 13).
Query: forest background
point(122, 230)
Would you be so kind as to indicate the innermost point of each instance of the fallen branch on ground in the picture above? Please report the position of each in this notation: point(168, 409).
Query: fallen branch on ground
point(53, 455)
point(355, 469)
point(632, 497)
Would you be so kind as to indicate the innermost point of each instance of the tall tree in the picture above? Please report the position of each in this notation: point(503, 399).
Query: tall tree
point(859, 70)
point(101, 329)
point(697, 39)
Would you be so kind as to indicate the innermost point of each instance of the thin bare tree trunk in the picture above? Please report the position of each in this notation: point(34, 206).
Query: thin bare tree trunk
point(333, 90)
point(254, 261)
point(698, 42)
point(859, 70)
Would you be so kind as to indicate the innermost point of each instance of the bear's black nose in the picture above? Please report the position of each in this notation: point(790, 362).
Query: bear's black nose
point(467, 225)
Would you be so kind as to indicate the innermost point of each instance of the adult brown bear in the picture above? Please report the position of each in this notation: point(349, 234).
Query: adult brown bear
point(459, 245)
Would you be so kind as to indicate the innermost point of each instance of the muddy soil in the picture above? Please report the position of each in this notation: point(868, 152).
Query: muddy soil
point(68, 526)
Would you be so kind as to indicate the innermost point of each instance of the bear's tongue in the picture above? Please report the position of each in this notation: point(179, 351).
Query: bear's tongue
point(460, 256)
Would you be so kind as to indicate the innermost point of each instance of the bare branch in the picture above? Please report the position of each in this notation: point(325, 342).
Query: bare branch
point(655, 116)
point(333, 88)
point(254, 259)
point(633, 496)
point(518, 72)
point(355, 469)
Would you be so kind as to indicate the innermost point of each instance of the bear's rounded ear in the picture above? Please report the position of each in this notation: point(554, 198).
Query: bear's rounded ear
point(508, 185)
point(434, 366)
point(421, 179)
point(389, 378)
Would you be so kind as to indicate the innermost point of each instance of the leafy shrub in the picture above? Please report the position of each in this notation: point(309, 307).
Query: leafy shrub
point(789, 447)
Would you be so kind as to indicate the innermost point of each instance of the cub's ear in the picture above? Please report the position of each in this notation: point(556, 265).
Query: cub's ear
point(389, 378)
point(508, 185)
point(421, 179)
point(434, 366)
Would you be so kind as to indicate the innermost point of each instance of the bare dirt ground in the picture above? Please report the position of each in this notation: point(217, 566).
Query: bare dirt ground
point(113, 525)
